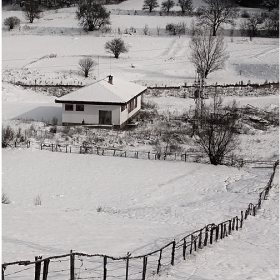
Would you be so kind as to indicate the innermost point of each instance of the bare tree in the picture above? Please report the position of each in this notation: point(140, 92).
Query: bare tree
point(116, 47)
point(208, 52)
point(150, 5)
point(270, 4)
point(250, 26)
point(271, 24)
point(216, 130)
point(186, 6)
point(31, 11)
point(11, 22)
point(167, 5)
point(217, 13)
point(86, 65)
point(92, 15)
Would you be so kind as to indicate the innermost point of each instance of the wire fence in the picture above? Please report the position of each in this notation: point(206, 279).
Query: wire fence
point(77, 265)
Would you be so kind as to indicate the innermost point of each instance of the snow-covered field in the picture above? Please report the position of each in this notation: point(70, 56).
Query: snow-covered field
point(110, 205)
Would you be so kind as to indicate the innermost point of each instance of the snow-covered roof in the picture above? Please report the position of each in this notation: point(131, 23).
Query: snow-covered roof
point(119, 91)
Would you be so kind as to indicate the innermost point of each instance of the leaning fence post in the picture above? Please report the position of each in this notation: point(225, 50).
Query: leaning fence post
point(173, 252)
point(222, 234)
point(37, 268)
point(241, 220)
point(72, 266)
point(159, 264)
point(104, 268)
point(144, 267)
point(46, 269)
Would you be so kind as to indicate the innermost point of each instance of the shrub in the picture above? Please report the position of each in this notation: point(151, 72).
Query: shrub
point(245, 14)
point(37, 200)
point(7, 136)
point(5, 199)
point(12, 22)
point(54, 121)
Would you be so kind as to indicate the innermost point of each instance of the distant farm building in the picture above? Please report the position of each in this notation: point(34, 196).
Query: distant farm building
point(111, 102)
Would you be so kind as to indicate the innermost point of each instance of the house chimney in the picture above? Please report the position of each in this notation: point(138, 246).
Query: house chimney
point(110, 81)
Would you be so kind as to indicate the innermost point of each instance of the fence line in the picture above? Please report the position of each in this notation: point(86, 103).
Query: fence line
point(105, 267)
point(136, 154)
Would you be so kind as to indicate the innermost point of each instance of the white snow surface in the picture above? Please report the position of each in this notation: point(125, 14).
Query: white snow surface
point(110, 205)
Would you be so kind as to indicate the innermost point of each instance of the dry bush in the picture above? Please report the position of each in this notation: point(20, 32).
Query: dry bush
point(38, 200)
point(5, 199)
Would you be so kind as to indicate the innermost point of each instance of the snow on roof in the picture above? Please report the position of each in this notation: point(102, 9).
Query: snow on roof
point(119, 91)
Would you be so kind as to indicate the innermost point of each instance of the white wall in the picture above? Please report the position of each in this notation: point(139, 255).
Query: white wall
point(90, 114)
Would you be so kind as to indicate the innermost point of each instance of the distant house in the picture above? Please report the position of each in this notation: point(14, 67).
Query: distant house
point(107, 102)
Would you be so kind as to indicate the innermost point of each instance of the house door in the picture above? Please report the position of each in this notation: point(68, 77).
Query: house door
point(105, 117)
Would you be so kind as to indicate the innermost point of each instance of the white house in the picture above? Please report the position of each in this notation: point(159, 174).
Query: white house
point(111, 101)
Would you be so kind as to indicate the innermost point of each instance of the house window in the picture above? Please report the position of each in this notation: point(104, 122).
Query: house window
point(68, 107)
point(80, 107)
point(123, 108)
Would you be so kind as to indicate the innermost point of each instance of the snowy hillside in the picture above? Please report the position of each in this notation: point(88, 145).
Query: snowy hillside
point(112, 205)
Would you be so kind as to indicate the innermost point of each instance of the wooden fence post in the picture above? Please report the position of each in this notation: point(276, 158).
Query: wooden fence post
point(184, 249)
point(217, 233)
point(72, 266)
point(46, 269)
point(225, 230)
point(206, 237)
point(236, 218)
point(191, 244)
point(241, 220)
point(200, 240)
point(159, 264)
point(37, 268)
point(148, 155)
point(104, 268)
point(127, 266)
point(3, 271)
point(211, 235)
point(66, 148)
point(222, 234)
point(144, 268)
point(173, 252)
